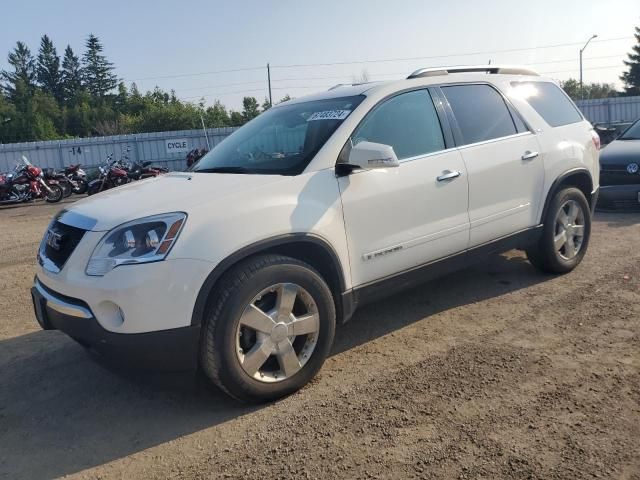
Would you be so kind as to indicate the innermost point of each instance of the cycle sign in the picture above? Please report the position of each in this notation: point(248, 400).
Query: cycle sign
point(177, 145)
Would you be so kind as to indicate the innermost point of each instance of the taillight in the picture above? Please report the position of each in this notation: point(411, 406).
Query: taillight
point(596, 139)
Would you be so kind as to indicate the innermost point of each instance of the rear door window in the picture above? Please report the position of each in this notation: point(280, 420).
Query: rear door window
point(549, 101)
point(480, 111)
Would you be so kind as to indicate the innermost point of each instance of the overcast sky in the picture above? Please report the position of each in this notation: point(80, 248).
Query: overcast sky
point(179, 44)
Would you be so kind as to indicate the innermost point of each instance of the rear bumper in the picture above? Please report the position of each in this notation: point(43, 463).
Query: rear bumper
point(173, 350)
point(619, 197)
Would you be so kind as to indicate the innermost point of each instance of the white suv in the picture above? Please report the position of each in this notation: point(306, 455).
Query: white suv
point(244, 265)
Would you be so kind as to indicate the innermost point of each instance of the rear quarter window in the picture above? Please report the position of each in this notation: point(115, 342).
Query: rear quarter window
point(551, 103)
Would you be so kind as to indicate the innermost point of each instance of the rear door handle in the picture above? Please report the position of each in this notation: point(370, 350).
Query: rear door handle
point(529, 155)
point(448, 175)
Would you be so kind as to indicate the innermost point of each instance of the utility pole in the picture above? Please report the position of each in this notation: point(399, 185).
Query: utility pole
point(204, 129)
point(582, 50)
point(269, 82)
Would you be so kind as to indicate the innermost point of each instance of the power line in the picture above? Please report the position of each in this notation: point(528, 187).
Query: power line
point(486, 52)
point(590, 68)
point(373, 74)
point(320, 87)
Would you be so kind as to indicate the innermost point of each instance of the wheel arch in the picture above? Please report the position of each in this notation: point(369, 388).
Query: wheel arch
point(305, 247)
point(579, 178)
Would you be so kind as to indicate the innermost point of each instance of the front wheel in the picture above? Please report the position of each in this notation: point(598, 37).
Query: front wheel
point(565, 234)
point(55, 195)
point(269, 328)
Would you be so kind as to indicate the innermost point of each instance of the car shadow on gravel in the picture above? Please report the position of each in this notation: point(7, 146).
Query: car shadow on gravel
point(618, 219)
point(497, 275)
point(61, 412)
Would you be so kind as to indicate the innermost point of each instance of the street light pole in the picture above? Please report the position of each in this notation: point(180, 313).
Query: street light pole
point(582, 50)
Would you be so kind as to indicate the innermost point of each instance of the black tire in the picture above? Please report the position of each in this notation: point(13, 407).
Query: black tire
point(55, 195)
point(237, 288)
point(94, 188)
point(544, 255)
point(81, 186)
point(67, 189)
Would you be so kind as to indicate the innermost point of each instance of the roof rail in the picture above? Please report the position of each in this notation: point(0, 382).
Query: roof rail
point(490, 69)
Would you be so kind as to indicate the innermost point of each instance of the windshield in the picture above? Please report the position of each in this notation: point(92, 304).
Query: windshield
point(632, 133)
point(281, 141)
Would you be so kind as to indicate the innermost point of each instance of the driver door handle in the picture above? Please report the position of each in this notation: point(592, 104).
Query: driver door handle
point(448, 175)
point(529, 155)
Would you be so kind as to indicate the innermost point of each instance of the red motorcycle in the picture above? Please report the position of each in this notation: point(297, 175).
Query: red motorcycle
point(112, 175)
point(27, 182)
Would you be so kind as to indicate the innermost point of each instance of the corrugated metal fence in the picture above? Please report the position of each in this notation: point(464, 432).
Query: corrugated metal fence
point(611, 110)
point(164, 148)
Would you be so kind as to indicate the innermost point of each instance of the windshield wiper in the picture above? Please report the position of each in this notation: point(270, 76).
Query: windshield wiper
point(224, 170)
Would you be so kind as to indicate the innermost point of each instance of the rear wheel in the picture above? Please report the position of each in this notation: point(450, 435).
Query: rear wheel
point(565, 235)
point(269, 328)
point(55, 195)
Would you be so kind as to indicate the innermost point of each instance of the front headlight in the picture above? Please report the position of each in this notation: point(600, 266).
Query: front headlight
point(143, 240)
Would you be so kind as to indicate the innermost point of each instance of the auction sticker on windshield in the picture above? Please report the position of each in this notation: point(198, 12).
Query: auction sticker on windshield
point(329, 115)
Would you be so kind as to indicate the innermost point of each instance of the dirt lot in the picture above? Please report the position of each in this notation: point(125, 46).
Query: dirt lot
point(495, 372)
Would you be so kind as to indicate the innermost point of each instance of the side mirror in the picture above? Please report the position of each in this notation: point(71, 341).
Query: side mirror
point(371, 156)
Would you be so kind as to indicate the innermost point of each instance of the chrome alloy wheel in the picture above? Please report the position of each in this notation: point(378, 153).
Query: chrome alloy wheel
point(569, 230)
point(277, 332)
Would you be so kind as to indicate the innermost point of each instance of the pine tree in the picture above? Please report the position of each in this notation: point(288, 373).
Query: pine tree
point(24, 71)
point(631, 78)
point(48, 68)
point(71, 76)
point(97, 71)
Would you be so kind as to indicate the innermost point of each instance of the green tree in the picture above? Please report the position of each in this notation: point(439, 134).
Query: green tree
point(98, 75)
point(24, 71)
point(250, 108)
point(48, 68)
point(286, 98)
point(591, 90)
point(236, 119)
point(631, 78)
point(71, 76)
point(266, 105)
point(217, 116)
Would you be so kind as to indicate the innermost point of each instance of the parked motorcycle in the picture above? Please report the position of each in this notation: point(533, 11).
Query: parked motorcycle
point(112, 175)
point(27, 182)
point(78, 178)
point(140, 171)
point(194, 155)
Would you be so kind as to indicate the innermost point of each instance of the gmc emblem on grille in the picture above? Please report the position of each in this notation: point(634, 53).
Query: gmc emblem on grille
point(54, 240)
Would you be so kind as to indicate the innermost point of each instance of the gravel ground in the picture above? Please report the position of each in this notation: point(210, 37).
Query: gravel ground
point(494, 372)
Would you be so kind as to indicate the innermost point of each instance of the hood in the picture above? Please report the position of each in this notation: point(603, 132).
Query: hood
point(621, 153)
point(173, 192)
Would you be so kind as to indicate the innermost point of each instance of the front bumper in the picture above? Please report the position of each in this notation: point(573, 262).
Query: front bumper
point(619, 197)
point(174, 349)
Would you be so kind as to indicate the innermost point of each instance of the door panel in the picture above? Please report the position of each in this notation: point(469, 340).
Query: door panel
point(504, 189)
point(399, 218)
point(503, 160)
